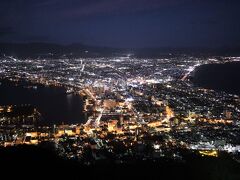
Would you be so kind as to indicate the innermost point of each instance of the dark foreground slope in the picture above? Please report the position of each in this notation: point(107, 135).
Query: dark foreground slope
point(30, 162)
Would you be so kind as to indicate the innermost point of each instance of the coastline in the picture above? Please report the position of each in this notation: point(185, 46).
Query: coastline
point(219, 77)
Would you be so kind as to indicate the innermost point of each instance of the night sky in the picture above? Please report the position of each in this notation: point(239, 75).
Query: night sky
point(122, 23)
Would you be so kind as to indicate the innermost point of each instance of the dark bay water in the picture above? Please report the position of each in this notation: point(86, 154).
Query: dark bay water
point(220, 77)
point(54, 105)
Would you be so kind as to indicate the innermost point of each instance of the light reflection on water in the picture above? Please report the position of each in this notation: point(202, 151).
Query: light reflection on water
point(55, 106)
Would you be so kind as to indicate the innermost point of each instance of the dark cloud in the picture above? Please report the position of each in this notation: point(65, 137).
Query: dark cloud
point(122, 22)
point(5, 31)
point(38, 38)
point(117, 7)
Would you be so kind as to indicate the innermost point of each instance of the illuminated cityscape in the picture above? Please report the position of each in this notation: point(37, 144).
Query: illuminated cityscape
point(138, 108)
point(120, 89)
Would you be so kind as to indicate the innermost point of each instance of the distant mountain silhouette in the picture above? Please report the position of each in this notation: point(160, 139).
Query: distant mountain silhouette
point(50, 49)
point(26, 50)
